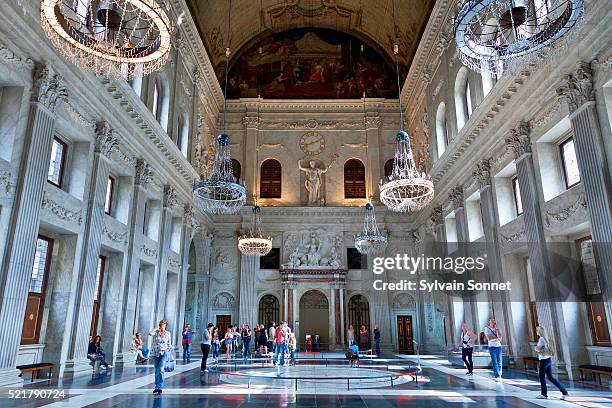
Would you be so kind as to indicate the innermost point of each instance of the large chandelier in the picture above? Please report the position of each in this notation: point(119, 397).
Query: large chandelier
point(492, 35)
point(370, 241)
point(254, 243)
point(114, 38)
point(405, 189)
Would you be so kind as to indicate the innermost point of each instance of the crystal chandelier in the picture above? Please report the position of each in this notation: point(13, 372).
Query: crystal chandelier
point(492, 35)
point(254, 243)
point(405, 189)
point(370, 241)
point(219, 191)
point(114, 38)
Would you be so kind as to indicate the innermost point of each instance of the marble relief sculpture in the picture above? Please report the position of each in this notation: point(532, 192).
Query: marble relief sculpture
point(310, 254)
point(314, 180)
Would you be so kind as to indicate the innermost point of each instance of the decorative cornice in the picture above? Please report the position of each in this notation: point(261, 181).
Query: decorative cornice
point(483, 172)
point(519, 140)
point(250, 122)
point(144, 173)
point(106, 142)
point(456, 197)
point(9, 57)
point(48, 87)
point(309, 124)
point(170, 200)
point(577, 88)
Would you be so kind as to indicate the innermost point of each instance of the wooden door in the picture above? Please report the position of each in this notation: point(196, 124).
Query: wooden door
point(223, 322)
point(404, 334)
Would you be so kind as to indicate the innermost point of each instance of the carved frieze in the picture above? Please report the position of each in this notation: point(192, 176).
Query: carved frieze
point(118, 237)
point(173, 262)
point(403, 301)
point(60, 211)
point(150, 252)
point(224, 300)
point(567, 212)
point(311, 124)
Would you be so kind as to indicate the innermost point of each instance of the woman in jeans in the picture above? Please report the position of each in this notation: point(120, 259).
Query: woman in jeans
point(494, 337)
point(466, 342)
point(216, 343)
point(246, 342)
point(159, 351)
point(545, 370)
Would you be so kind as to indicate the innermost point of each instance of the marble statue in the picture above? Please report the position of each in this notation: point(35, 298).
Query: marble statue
point(314, 180)
point(313, 257)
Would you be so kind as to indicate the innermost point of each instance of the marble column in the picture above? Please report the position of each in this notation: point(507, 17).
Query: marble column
point(463, 239)
point(341, 295)
point(439, 249)
point(379, 307)
point(333, 324)
point(578, 91)
point(186, 234)
point(519, 142)
point(84, 280)
point(18, 256)
point(497, 300)
point(248, 296)
point(285, 301)
point(250, 168)
point(169, 202)
point(373, 123)
point(127, 317)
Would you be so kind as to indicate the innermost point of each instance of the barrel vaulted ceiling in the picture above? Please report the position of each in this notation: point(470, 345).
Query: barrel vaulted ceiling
point(370, 21)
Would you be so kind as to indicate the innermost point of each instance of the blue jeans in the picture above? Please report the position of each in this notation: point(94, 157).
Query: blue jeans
point(145, 351)
point(158, 363)
point(186, 352)
point(496, 360)
point(246, 348)
point(215, 350)
point(377, 346)
point(280, 349)
point(546, 371)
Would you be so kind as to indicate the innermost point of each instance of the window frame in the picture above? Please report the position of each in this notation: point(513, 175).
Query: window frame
point(109, 200)
point(64, 155)
point(563, 163)
point(270, 183)
point(40, 295)
point(515, 183)
point(354, 182)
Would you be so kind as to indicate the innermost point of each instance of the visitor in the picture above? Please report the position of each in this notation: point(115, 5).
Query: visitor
point(142, 351)
point(350, 335)
point(353, 355)
point(271, 336)
point(280, 345)
point(364, 338)
point(187, 339)
point(96, 353)
point(263, 340)
point(493, 336)
point(545, 354)
point(246, 342)
point(466, 342)
point(256, 338)
point(205, 347)
point(216, 344)
point(235, 338)
point(160, 350)
point(228, 340)
point(377, 340)
point(292, 348)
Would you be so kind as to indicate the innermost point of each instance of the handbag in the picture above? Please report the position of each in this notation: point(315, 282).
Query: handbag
point(546, 351)
point(170, 364)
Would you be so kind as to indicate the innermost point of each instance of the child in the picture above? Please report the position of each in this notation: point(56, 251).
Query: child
point(292, 349)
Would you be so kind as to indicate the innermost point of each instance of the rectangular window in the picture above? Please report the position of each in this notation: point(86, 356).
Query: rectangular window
point(356, 260)
point(516, 189)
point(271, 260)
point(56, 164)
point(570, 163)
point(36, 296)
point(108, 203)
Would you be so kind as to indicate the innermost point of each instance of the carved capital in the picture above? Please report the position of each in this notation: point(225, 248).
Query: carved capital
point(170, 200)
point(251, 122)
point(189, 217)
point(48, 87)
point(437, 216)
point(483, 172)
point(144, 173)
point(106, 142)
point(519, 140)
point(456, 197)
point(577, 88)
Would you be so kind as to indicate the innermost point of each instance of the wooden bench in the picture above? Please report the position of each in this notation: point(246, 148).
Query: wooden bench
point(595, 370)
point(35, 369)
point(531, 361)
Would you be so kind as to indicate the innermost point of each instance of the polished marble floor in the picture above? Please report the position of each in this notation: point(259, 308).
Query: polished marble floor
point(260, 384)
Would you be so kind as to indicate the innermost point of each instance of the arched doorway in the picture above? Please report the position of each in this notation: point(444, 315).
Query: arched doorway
point(269, 310)
point(314, 317)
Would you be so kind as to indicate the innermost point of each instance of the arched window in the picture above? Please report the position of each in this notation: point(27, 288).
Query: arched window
point(236, 169)
point(269, 310)
point(155, 106)
point(182, 140)
point(388, 168)
point(354, 179)
point(161, 103)
point(441, 129)
point(468, 99)
point(359, 313)
point(461, 107)
point(270, 179)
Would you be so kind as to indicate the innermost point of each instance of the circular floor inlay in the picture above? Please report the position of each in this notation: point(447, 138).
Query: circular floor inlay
point(315, 377)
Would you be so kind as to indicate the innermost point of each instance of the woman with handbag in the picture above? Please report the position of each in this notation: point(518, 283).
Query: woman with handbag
point(545, 370)
point(466, 342)
point(160, 351)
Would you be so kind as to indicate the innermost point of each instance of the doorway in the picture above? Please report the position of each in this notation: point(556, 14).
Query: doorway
point(223, 323)
point(404, 334)
point(314, 318)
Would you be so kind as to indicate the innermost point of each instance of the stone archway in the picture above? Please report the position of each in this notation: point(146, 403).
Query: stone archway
point(314, 317)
